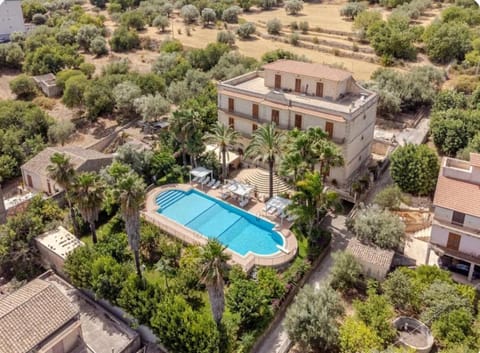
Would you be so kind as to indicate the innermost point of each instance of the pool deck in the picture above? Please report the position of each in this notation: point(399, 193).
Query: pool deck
point(189, 236)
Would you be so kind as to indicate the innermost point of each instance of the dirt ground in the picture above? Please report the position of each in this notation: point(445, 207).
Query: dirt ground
point(5, 77)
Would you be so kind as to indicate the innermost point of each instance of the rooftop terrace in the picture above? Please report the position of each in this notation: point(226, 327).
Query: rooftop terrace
point(253, 84)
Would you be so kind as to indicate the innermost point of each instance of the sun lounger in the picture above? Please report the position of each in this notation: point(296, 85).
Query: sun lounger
point(201, 180)
point(205, 180)
point(266, 208)
point(216, 185)
point(210, 184)
point(225, 195)
point(196, 179)
point(244, 203)
point(272, 210)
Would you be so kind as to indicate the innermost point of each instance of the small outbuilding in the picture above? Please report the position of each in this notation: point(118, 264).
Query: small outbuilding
point(48, 84)
point(375, 262)
point(54, 247)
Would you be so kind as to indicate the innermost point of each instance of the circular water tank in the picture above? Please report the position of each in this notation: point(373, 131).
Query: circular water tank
point(413, 333)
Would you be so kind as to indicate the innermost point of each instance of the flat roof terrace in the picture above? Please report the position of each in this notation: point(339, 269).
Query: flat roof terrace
point(254, 84)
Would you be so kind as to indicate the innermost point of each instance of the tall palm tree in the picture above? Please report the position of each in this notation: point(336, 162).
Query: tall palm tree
point(213, 263)
point(330, 156)
point(62, 172)
point(185, 123)
point(130, 191)
point(88, 193)
point(267, 143)
point(222, 136)
point(293, 165)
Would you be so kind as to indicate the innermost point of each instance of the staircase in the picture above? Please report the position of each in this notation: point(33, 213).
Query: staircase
point(260, 179)
point(166, 199)
point(423, 234)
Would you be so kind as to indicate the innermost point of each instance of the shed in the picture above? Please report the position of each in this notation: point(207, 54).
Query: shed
point(48, 84)
point(375, 262)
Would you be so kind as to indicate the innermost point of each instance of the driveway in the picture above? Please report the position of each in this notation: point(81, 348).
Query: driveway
point(277, 341)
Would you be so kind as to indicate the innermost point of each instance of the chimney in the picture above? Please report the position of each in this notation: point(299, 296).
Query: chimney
point(3, 211)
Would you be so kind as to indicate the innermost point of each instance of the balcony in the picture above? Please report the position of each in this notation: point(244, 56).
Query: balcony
point(456, 228)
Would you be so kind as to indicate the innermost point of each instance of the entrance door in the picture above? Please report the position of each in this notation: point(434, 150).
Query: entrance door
point(319, 89)
point(29, 181)
point(278, 81)
point(298, 121)
point(298, 85)
point(453, 241)
point(329, 129)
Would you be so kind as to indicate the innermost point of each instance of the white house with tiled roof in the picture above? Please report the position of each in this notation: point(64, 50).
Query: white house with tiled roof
point(295, 94)
point(11, 18)
point(456, 225)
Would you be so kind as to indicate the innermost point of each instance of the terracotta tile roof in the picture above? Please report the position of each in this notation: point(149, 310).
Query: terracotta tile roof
point(475, 159)
point(78, 156)
point(31, 314)
point(308, 69)
point(458, 195)
point(373, 255)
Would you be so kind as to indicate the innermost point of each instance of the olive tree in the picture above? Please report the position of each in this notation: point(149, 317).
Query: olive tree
point(23, 87)
point(151, 107)
point(208, 16)
point(312, 319)
point(230, 15)
point(60, 131)
point(125, 94)
point(189, 13)
point(352, 9)
point(378, 227)
point(274, 26)
point(161, 22)
point(86, 34)
point(98, 46)
point(245, 30)
point(226, 37)
point(293, 7)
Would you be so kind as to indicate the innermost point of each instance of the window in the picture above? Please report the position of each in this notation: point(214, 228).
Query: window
point(329, 129)
point(458, 218)
point(231, 122)
point(278, 81)
point(275, 117)
point(298, 85)
point(254, 127)
point(298, 121)
point(255, 111)
point(453, 241)
point(231, 105)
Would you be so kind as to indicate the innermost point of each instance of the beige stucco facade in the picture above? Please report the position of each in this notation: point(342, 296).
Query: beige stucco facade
point(346, 111)
point(11, 18)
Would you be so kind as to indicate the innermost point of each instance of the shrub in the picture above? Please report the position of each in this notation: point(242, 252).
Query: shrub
point(39, 19)
point(208, 16)
point(423, 161)
point(171, 46)
point(87, 69)
point(74, 89)
point(244, 31)
point(189, 13)
point(274, 26)
point(133, 19)
point(98, 46)
point(23, 87)
point(268, 4)
point(61, 131)
point(230, 15)
point(389, 198)
point(226, 37)
point(401, 291)
point(346, 271)
point(151, 107)
point(294, 38)
point(124, 39)
point(86, 34)
point(294, 26)
point(125, 94)
point(355, 336)
point(11, 55)
point(45, 102)
point(447, 41)
point(293, 7)
point(303, 26)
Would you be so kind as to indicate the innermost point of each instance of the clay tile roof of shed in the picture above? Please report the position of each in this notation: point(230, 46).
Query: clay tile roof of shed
point(373, 255)
point(31, 314)
point(309, 69)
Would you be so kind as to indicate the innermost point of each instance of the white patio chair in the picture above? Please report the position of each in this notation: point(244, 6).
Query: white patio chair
point(205, 180)
point(210, 184)
point(216, 185)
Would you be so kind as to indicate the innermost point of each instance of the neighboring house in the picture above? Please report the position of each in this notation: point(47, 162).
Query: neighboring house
point(54, 247)
point(48, 315)
point(48, 84)
point(303, 95)
point(38, 318)
point(11, 18)
point(35, 174)
point(455, 232)
point(375, 262)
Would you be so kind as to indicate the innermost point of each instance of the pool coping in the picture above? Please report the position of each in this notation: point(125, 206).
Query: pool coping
point(192, 237)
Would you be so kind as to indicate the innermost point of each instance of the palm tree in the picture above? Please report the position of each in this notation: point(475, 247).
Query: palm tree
point(213, 263)
point(62, 172)
point(222, 136)
point(293, 165)
point(311, 202)
point(330, 156)
point(266, 144)
point(185, 123)
point(88, 192)
point(130, 191)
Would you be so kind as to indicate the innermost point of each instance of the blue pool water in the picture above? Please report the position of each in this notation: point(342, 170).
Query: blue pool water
point(241, 231)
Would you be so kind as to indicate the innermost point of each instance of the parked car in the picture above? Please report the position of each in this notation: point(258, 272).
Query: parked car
point(463, 269)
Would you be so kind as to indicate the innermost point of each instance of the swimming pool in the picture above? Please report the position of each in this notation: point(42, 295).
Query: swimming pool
point(241, 231)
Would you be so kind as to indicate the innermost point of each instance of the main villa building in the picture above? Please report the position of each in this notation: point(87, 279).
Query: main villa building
point(302, 95)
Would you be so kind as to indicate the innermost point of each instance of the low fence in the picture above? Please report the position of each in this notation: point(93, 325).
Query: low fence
point(286, 303)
